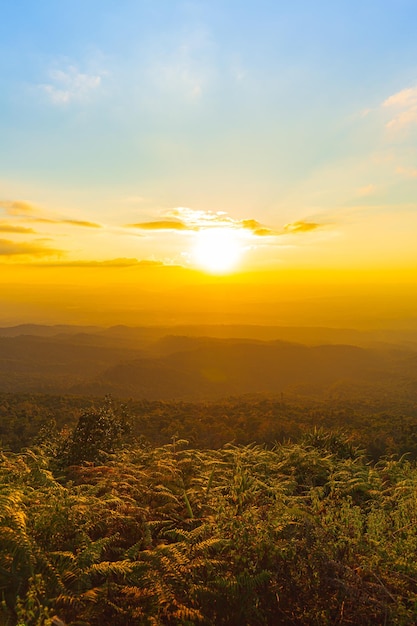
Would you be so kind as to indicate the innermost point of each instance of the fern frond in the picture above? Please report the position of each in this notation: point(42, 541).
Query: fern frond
point(107, 569)
point(70, 601)
point(188, 615)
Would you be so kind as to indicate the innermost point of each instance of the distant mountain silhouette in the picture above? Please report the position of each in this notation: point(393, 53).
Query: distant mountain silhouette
point(45, 331)
point(53, 364)
point(145, 363)
point(216, 368)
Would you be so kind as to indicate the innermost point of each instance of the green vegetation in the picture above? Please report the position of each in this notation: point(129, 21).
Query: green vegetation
point(384, 423)
point(307, 533)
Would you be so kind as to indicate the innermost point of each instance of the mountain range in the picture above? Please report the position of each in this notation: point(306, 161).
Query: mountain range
point(188, 363)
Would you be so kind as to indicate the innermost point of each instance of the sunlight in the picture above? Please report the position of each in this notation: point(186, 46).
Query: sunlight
point(217, 250)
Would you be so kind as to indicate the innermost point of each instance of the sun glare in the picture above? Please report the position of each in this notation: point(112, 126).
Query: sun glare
point(217, 250)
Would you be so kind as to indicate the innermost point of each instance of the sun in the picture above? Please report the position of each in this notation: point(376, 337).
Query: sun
point(217, 250)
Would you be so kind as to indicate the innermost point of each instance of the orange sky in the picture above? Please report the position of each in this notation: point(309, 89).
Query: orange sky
point(156, 294)
point(176, 161)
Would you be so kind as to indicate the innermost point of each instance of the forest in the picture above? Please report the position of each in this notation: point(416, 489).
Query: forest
point(282, 493)
point(381, 422)
point(110, 516)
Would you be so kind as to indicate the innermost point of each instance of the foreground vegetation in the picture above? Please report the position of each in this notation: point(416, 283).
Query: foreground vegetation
point(383, 421)
point(97, 532)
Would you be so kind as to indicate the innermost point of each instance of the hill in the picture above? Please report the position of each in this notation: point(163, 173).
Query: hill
point(145, 362)
point(212, 368)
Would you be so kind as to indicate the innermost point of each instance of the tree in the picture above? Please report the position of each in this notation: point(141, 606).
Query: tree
point(98, 433)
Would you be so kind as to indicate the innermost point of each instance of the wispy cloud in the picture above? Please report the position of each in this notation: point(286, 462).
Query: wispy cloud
point(408, 172)
point(110, 263)
point(257, 228)
point(186, 219)
point(17, 207)
point(403, 104)
point(32, 213)
point(19, 230)
point(185, 69)
point(35, 249)
point(403, 98)
point(180, 76)
point(160, 225)
point(70, 85)
point(366, 190)
point(81, 223)
point(300, 227)
point(198, 218)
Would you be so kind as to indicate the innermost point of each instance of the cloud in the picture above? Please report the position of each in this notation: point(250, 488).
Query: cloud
point(10, 228)
point(11, 248)
point(185, 70)
point(409, 172)
point(199, 218)
point(81, 223)
point(115, 263)
point(185, 219)
point(405, 103)
point(180, 76)
point(404, 119)
point(16, 207)
point(32, 213)
point(403, 98)
point(134, 199)
point(300, 227)
point(367, 190)
point(48, 220)
point(70, 85)
point(257, 228)
point(160, 225)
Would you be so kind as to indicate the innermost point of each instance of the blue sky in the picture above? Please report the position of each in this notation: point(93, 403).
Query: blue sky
point(281, 112)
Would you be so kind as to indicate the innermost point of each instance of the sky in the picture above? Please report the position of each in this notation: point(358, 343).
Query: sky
point(175, 143)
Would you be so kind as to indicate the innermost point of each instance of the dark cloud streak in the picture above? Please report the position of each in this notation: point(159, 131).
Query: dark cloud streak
point(31, 213)
point(110, 263)
point(19, 230)
point(161, 225)
point(300, 227)
point(257, 228)
point(12, 248)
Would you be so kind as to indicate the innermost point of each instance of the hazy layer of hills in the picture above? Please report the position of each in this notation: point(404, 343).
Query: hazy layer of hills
point(142, 335)
point(199, 362)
